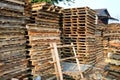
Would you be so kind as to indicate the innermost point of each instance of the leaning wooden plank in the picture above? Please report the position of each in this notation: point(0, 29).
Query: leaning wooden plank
point(56, 57)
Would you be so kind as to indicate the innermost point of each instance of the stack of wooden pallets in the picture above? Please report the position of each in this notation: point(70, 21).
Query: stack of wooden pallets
point(13, 62)
point(79, 28)
point(43, 30)
point(99, 44)
point(27, 11)
point(113, 33)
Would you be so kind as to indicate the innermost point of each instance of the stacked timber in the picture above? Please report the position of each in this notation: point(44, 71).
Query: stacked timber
point(79, 28)
point(27, 11)
point(113, 33)
point(13, 62)
point(43, 30)
point(99, 44)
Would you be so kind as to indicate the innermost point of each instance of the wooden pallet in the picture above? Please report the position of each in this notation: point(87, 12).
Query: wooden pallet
point(46, 7)
point(43, 31)
point(78, 27)
point(12, 39)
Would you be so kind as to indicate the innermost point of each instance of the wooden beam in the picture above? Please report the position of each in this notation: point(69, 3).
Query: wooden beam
point(57, 59)
point(78, 64)
point(54, 60)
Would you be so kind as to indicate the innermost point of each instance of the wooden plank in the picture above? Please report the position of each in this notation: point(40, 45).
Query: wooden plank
point(16, 1)
point(11, 6)
point(56, 55)
point(12, 39)
point(54, 60)
point(78, 64)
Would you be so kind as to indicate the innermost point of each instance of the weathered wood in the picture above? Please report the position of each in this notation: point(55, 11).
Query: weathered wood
point(43, 31)
point(58, 70)
point(46, 7)
point(79, 28)
point(13, 60)
point(112, 32)
point(10, 6)
point(16, 2)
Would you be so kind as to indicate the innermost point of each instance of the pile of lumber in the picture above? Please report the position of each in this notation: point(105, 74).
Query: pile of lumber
point(99, 44)
point(102, 28)
point(79, 28)
point(27, 11)
point(113, 33)
point(43, 30)
point(13, 62)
